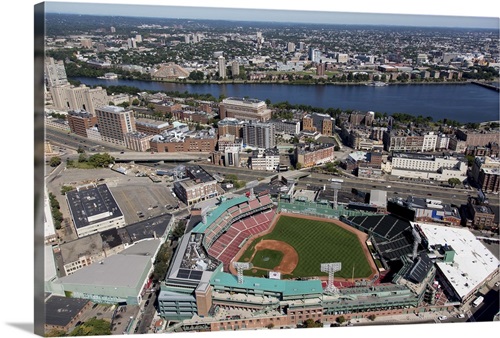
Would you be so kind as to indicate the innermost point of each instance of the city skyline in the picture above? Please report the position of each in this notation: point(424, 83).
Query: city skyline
point(19, 321)
point(326, 16)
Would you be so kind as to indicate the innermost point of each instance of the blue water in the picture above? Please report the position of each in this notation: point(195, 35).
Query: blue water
point(460, 102)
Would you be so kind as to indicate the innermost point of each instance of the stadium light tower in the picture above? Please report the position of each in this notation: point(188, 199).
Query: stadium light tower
point(336, 187)
point(240, 266)
point(331, 268)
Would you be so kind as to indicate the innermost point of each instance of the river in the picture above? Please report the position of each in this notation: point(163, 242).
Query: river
point(459, 102)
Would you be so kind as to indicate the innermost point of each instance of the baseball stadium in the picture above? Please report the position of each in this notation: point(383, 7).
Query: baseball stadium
point(251, 261)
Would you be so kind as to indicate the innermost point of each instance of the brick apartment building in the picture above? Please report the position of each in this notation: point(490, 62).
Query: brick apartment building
point(80, 121)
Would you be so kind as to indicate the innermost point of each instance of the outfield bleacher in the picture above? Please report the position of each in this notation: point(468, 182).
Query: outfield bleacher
point(394, 248)
point(390, 234)
point(382, 226)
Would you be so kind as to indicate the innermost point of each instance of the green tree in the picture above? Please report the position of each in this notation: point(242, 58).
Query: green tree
point(270, 326)
point(65, 189)
point(372, 317)
point(55, 333)
point(298, 166)
point(93, 327)
point(136, 102)
point(161, 262)
point(311, 323)
point(239, 184)
point(55, 161)
point(340, 319)
point(231, 178)
point(101, 160)
point(179, 230)
point(454, 181)
point(82, 158)
point(196, 75)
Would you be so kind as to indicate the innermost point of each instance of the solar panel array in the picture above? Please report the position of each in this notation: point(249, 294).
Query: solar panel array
point(190, 274)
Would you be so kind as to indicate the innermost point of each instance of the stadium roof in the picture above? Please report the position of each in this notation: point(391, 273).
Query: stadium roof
point(217, 212)
point(286, 287)
point(473, 262)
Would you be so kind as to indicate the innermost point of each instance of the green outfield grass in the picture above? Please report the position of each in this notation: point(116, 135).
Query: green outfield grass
point(267, 258)
point(317, 242)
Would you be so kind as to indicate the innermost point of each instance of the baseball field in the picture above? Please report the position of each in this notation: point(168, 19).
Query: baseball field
point(297, 245)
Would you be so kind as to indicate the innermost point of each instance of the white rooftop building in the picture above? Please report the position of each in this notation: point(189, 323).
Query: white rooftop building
point(471, 263)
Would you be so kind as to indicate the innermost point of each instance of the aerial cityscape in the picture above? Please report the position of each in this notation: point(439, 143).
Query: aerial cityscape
point(223, 174)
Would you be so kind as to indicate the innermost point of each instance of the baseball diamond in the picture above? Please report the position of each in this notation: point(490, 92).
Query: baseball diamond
point(306, 242)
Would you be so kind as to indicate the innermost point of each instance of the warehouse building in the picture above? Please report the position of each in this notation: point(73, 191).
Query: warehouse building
point(94, 209)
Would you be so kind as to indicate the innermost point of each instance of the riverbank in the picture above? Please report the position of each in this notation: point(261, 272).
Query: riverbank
point(308, 83)
point(462, 101)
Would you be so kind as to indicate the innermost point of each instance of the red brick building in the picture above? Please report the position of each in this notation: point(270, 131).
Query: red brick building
point(80, 121)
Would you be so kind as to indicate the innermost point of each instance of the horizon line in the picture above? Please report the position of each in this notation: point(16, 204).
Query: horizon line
point(306, 16)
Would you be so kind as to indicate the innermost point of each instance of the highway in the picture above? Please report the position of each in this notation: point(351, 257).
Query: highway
point(121, 154)
point(398, 188)
point(74, 141)
point(401, 189)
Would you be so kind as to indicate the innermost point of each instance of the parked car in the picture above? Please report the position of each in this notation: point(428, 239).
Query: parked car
point(442, 317)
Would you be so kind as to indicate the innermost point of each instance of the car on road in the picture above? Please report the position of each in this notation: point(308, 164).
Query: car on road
point(442, 317)
point(460, 315)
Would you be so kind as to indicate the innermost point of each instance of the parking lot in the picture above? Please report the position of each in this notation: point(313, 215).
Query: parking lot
point(139, 198)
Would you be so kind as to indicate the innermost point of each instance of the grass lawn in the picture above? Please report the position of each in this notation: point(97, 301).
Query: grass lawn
point(258, 273)
point(267, 258)
point(318, 242)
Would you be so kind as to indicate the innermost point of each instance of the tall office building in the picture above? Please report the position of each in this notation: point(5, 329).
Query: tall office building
point(290, 47)
point(86, 43)
point(244, 109)
point(258, 134)
point(113, 29)
point(222, 67)
point(131, 43)
point(235, 68)
point(314, 54)
point(55, 73)
point(114, 123)
point(69, 97)
point(320, 68)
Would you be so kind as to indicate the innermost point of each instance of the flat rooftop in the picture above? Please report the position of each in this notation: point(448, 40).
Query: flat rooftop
point(473, 262)
point(198, 173)
point(285, 287)
point(148, 228)
point(93, 204)
point(117, 271)
point(60, 311)
point(242, 100)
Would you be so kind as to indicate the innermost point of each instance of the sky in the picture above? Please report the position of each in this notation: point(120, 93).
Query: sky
point(17, 150)
point(329, 14)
